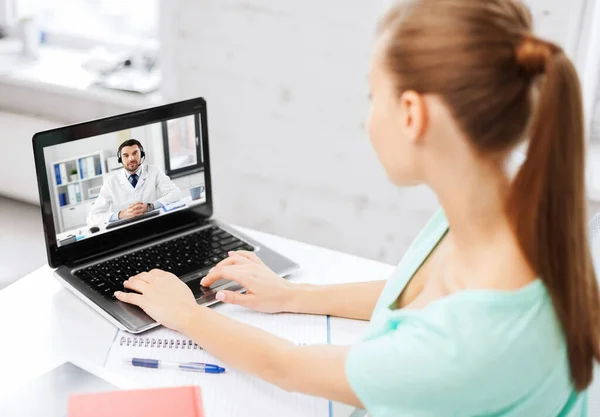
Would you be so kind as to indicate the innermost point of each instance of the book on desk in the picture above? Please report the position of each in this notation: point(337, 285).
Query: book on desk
point(159, 402)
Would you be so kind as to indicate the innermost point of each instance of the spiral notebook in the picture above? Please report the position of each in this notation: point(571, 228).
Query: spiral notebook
point(232, 393)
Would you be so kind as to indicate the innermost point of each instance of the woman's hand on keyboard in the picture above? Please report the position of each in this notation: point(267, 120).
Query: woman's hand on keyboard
point(266, 291)
point(162, 295)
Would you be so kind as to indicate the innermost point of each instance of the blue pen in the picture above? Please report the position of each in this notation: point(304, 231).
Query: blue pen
point(183, 366)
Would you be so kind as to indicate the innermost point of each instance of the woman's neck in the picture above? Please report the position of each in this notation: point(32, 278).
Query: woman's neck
point(483, 245)
point(474, 202)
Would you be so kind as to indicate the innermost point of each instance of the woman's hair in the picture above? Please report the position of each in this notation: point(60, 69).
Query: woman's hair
point(503, 84)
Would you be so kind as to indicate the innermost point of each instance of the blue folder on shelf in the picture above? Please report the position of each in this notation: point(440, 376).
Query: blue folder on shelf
point(57, 174)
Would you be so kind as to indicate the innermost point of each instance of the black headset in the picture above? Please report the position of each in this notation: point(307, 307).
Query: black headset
point(131, 142)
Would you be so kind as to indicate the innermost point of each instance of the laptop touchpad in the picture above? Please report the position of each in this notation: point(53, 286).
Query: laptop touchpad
point(210, 292)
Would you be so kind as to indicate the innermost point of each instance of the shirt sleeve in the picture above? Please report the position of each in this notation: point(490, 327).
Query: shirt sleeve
point(409, 370)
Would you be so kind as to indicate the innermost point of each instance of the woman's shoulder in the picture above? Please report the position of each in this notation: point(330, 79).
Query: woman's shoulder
point(438, 223)
point(491, 322)
point(482, 329)
point(421, 246)
point(465, 345)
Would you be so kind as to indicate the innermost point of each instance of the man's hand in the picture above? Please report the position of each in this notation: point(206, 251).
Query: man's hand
point(133, 210)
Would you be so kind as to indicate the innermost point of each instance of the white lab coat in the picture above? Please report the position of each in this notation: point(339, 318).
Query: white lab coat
point(117, 193)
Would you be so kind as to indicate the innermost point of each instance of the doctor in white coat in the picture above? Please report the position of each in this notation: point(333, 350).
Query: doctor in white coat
point(134, 190)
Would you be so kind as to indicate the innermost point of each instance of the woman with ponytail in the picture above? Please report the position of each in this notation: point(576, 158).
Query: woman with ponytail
point(494, 309)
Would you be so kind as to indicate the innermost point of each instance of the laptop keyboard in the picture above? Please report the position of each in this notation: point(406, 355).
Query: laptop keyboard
point(190, 253)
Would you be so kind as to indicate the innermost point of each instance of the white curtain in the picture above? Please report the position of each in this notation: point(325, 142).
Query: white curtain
point(588, 65)
point(587, 59)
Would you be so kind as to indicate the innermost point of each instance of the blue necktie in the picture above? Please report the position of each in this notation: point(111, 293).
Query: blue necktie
point(133, 179)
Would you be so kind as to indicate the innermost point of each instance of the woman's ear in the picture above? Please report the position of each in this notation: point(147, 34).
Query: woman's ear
point(413, 113)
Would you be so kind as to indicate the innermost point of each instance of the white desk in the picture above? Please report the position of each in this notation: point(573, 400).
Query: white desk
point(43, 324)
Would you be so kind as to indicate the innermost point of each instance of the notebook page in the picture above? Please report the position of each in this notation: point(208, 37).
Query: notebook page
point(232, 393)
point(593, 393)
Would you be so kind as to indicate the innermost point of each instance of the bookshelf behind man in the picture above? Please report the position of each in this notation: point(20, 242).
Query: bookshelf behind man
point(76, 184)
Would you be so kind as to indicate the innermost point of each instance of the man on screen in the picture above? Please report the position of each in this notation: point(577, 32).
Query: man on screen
point(135, 190)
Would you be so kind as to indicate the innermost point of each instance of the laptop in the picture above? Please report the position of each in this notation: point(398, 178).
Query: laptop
point(95, 241)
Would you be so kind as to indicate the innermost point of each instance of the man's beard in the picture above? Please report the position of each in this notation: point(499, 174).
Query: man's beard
point(134, 167)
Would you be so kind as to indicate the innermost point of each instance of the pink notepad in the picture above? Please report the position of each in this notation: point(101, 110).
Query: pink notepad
point(160, 402)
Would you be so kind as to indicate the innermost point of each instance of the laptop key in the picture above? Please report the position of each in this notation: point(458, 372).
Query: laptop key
point(108, 292)
point(100, 285)
point(84, 275)
point(233, 246)
point(228, 240)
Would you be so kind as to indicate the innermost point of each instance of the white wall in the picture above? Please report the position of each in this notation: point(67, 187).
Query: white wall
point(559, 21)
point(286, 88)
point(7, 12)
point(286, 84)
point(108, 143)
point(575, 25)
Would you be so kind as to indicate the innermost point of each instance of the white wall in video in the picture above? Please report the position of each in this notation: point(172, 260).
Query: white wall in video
point(106, 182)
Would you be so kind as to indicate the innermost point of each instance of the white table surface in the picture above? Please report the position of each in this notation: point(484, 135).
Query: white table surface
point(42, 323)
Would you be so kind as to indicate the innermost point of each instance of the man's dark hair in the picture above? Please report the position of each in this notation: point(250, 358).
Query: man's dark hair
point(130, 142)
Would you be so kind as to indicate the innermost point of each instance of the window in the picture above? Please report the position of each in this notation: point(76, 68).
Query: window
point(181, 141)
point(93, 22)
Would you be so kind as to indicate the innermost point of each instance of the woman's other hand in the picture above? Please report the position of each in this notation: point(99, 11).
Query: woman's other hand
point(266, 291)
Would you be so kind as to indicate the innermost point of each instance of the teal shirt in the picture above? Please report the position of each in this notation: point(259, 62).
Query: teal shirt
point(472, 353)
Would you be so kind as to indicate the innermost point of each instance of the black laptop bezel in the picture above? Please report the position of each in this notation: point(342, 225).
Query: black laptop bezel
point(136, 233)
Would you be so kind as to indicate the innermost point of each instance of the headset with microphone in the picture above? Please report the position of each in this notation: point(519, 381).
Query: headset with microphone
point(131, 142)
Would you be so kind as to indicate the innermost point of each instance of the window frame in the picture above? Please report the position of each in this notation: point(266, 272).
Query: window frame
point(185, 171)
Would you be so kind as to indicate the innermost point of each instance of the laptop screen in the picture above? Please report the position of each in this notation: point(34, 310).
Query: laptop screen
point(104, 183)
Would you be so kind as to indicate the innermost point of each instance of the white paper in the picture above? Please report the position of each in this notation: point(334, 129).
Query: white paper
point(232, 393)
point(63, 173)
point(72, 194)
point(594, 393)
point(90, 167)
point(83, 168)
